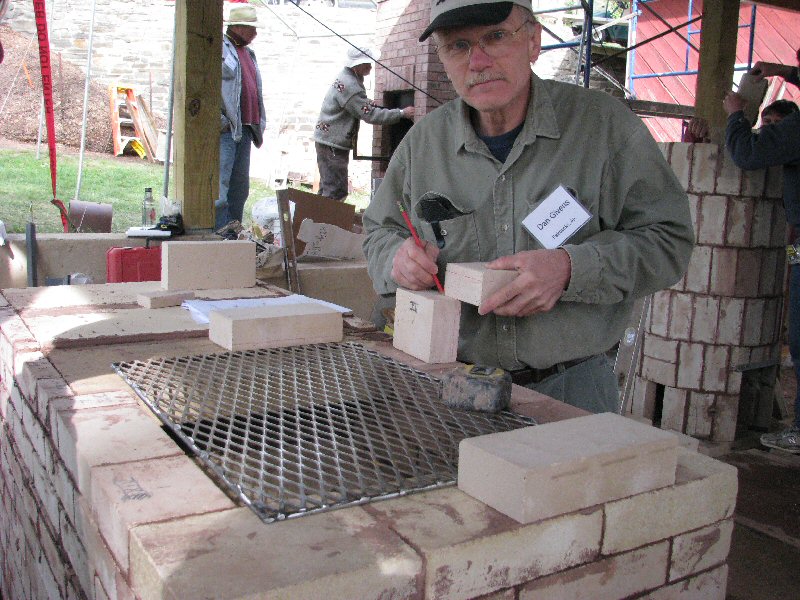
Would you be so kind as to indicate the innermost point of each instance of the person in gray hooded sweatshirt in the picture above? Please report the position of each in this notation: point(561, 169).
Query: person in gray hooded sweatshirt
point(344, 106)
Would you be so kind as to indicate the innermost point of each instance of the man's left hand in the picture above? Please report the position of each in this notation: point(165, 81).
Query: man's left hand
point(543, 277)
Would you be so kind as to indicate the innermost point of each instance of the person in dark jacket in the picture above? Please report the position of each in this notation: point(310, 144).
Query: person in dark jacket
point(776, 143)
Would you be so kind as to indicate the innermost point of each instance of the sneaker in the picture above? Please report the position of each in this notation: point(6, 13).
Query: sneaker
point(788, 440)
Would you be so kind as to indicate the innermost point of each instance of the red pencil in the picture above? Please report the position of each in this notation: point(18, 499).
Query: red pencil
point(418, 241)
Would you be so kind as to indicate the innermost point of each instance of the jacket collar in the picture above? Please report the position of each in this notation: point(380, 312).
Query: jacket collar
point(540, 119)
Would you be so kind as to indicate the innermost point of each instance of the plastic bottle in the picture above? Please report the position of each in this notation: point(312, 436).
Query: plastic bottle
point(148, 209)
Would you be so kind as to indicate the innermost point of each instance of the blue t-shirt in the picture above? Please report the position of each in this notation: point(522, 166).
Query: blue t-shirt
point(500, 145)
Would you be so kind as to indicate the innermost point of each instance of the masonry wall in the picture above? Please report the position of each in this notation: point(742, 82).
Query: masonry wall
point(724, 316)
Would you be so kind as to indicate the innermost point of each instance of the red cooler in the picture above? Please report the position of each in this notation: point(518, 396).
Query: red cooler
point(133, 264)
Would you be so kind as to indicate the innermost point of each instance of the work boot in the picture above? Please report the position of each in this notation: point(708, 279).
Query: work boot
point(787, 440)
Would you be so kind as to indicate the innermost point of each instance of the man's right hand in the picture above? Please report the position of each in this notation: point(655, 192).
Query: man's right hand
point(413, 267)
point(733, 102)
point(761, 70)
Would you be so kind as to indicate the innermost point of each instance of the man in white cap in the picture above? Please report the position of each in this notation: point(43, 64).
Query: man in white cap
point(344, 106)
point(612, 222)
point(243, 117)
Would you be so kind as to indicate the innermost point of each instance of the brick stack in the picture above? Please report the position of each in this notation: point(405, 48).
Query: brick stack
point(398, 27)
point(725, 314)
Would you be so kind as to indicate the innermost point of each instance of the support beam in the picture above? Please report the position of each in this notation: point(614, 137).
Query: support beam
point(198, 79)
point(717, 59)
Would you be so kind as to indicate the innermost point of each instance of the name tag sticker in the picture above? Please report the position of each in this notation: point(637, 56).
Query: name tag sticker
point(556, 219)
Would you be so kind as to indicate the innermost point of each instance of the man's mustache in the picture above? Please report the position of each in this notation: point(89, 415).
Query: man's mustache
point(484, 77)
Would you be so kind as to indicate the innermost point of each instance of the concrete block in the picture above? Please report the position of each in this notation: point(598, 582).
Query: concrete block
point(620, 576)
point(161, 299)
point(275, 326)
point(124, 496)
point(538, 472)
point(473, 283)
point(710, 585)
point(700, 549)
point(470, 550)
point(208, 265)
point(704, 493)
point(426, 325)
point(233, 555)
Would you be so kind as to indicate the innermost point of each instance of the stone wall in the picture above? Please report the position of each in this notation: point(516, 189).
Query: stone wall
point(298, 55)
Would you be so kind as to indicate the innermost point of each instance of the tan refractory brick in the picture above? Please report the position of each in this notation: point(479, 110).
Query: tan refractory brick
point(704, 493)
point(208, 265)
point(473, 283)
point(546, 470)
point(162, 299)
point(275, 326)
point(700, 549)
point(426, 325)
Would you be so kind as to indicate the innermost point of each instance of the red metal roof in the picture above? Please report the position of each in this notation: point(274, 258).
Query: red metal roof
point(777, 38)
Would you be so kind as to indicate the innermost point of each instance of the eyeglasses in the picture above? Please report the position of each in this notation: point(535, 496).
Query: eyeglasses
point(495, 44)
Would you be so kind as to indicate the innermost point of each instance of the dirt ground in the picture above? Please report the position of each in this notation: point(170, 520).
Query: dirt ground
point(20, 97)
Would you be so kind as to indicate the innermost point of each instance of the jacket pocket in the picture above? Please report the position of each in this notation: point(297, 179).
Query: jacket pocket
point(459, 236)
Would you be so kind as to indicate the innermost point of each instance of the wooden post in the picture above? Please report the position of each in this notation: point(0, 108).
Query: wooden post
point(198, 80)
point(717, 59)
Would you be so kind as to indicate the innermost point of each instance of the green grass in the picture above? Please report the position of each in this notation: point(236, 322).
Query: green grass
point(26, 189)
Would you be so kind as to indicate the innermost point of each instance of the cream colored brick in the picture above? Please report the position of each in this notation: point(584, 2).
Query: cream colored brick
point(729, 331)
point(704, 167)
point(699, 418)
point(620, 576)
point(473, 283)
point(729, 177)
point(723, 271)
point(680, 316)
point(660, 312)
point(748, 263)
point(161, 298)
point(753, 320)
point(659, 371)
point(80, 402)
point(697, 275)
point(469, 549)
point(740, 217)
point(124, 496)
point(673, 413)
point(701, 549)
point(92, 437)
point(710, 585)
point(644, 398)
point(711, 220)
point(208, 265)
point(275, 326)
point(726, 411)
point(763, 224)
point(716, 365)
point(660, 348)
point(690, 359)
point(426, 325)
point(704, 493)
point(679, 160)
point(233, 555)
point(705, 318)
point(538, 472)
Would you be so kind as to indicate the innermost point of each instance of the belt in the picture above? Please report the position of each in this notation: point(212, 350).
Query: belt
point(530, 375)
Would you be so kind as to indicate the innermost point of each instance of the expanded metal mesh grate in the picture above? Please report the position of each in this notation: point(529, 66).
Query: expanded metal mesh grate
point(308, 428)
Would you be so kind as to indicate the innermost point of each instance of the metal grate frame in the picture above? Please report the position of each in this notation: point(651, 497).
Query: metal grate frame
point(297, 430)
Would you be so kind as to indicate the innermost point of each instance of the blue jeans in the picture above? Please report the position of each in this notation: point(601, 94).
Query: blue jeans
point(234, 176)
point(794, 332)
point(590, 385)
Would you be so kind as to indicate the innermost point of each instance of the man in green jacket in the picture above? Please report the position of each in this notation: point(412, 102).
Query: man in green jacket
point(492, 156)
